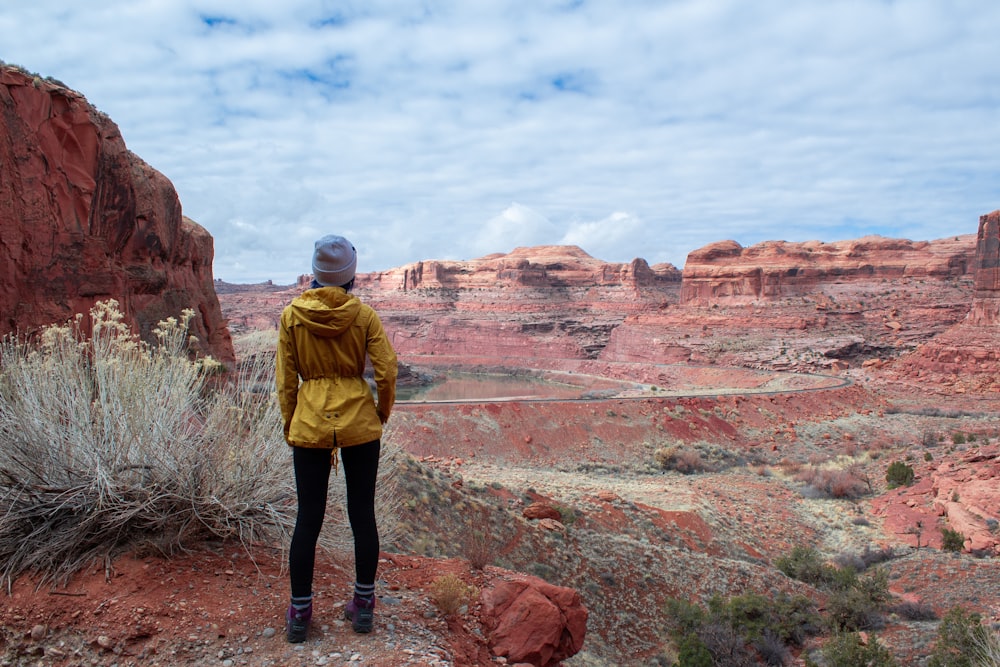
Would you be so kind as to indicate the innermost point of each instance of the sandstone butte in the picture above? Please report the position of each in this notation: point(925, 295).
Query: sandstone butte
point(83, 219)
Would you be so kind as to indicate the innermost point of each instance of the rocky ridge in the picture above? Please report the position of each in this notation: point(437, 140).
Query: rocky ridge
point(727, 272)
point(83, 219)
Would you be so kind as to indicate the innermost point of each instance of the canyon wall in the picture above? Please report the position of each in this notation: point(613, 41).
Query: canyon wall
point(83, 219)
point(539, 266)
point(791, 306)
point(726, 272)
point(986, 298)
point(965, 357)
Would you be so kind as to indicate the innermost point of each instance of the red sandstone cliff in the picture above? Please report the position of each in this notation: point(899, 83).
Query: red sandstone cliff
point(726, 272)
point(986, 299)
point(83, 219)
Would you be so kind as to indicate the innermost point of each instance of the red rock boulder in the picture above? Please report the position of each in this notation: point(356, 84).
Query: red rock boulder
point(531, 621)
point(83, 219)
point(541, 511)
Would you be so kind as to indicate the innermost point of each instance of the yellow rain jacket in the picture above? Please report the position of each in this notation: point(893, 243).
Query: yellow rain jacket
point(324, 336)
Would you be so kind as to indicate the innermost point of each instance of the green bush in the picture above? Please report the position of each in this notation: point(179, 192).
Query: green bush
point(805, 564)
point(788, 618)
point(692, 652)
point(857, 603)
point(952, 540)
point(847, 650)
point(899, 474)
point(724, 632)
point(960, 639)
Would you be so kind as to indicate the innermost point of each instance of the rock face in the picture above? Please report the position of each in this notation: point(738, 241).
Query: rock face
point(82, 219)
point(965, 358)
point(986, 299)
point(726, 272)
point(960, 494)
point(812, 306)
point(540, 266)
point(534, 622)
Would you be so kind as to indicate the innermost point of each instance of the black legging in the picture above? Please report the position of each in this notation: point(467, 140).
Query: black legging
point(312, 479)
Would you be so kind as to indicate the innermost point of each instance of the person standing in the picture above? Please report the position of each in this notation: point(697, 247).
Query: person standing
point(327, 406)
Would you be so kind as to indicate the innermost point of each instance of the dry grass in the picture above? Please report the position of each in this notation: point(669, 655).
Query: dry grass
point(112, 444)
point(987, 649)
point(450, 593)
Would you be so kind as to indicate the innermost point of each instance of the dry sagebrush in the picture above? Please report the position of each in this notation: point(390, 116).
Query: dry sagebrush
point(110, 443)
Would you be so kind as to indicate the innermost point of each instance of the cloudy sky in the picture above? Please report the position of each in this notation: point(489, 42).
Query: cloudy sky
point(454, 129)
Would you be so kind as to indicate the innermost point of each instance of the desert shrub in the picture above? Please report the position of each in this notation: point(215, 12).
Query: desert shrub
point(111, 443)
point(952, 540)
point(914, 611)
point(788, 618)
point(805, 564)
point(680, 459)
point(567, 515)
point(449, 593)
point(692, 652)
point(724, 632)
point(899, 474)
point(958, 438)
point(858, 602)
point(960, 637)
point(772, 650)
point(848, 650)
point(847, 483)
point(855, 602)
point(987, 648)
point(862, 561)
point(479, 547)
point(928, 457)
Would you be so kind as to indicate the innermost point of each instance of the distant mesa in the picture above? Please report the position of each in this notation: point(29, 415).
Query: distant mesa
point(538, 266)
point(726, 272)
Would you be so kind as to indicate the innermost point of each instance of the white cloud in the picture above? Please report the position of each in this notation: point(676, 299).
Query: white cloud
point(411, 127)
point(517, 226)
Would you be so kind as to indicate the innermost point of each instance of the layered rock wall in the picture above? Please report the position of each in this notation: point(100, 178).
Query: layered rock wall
point(540, 266)
point(83, 219)
point(726, 272)
point(985, 309)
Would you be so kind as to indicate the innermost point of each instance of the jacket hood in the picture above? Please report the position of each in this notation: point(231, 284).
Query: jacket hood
point(327, 311)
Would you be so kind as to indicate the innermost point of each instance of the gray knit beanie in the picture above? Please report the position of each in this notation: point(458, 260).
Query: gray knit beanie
point(334, 261)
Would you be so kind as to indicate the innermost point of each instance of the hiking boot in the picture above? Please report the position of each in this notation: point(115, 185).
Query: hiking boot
point(361, 613)
point(297, 623)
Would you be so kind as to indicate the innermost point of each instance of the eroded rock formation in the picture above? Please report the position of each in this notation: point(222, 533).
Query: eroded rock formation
point(960, 494)
point(83, 219)
point(986, 299)
point(726, 272)
point(539, 266)
point(965, 357)
point(795, 306)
